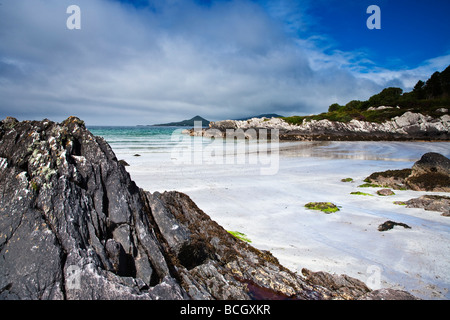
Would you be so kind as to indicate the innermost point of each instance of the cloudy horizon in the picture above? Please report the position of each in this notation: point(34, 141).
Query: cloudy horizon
point(146, 62)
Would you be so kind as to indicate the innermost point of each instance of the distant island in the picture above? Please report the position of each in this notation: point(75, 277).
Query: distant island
point(205, 123)
point(185, 123)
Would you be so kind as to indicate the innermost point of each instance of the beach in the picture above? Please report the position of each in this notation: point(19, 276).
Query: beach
point(269, 207)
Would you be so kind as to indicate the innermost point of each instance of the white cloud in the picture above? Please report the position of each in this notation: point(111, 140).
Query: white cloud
point(407, 78)
point(137, 66)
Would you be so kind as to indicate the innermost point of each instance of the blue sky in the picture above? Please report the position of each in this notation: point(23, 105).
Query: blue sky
point(152, 61)
point(411, 33)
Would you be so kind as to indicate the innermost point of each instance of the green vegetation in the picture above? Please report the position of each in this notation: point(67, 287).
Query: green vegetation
point(347, 180)
point(240, 236)
point(426, 98)
point(326, 207)
point(370, 185)
point(34, 186)
point(399, 203)
point(361, 193)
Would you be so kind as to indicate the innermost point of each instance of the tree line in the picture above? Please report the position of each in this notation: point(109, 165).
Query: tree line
point(428, 97)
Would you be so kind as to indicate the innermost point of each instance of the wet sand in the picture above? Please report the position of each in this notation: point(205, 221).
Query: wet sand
point(269, 208)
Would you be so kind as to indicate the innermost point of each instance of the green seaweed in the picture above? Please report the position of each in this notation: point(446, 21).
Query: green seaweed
point(361, 193)
point(370, 185)
point(34, 186)
point(240, 236)
point(326, 207)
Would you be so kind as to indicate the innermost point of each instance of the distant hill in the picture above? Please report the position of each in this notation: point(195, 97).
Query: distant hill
point(185, 123)
point(266, 115)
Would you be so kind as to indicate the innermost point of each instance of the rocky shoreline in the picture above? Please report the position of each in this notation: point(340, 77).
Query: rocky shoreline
point(73, 225)
point(409, 126)
point(430, 173)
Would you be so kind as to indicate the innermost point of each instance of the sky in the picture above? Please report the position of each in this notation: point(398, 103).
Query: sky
point(135, 62)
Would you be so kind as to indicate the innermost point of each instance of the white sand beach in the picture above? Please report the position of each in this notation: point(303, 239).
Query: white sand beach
point(270, 210)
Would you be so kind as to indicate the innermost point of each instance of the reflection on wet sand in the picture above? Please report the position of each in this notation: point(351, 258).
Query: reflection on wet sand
point(363, 150)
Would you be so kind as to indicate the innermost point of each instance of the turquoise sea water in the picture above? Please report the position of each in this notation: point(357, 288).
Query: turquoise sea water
point(139, 138)
point(129, 140)
point(149, 139)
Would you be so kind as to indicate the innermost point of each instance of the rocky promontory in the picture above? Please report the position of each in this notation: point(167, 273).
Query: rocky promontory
point(408, 126)
point(430, 173)
point(73, 225)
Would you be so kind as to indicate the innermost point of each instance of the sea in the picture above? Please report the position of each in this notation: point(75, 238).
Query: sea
point(144, 139)
point(130, 140)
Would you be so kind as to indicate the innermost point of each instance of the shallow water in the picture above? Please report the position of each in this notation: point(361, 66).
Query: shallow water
point(365, 150)
point(149, 139)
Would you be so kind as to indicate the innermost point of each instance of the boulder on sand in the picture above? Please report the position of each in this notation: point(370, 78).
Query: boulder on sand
point(430, 173)
point(431, 203)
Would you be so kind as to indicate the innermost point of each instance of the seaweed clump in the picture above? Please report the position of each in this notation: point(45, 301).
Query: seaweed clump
point(326, 207)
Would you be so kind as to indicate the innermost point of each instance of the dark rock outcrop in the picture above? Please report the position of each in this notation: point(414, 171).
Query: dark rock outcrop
point(345, 285)
point(408, 126)
point(73, 225)
point(430, 173)
point(388, 225)
point(385, 192)
point(394, 179)
point(387, 294)
point(350, 287)
point(431, 203)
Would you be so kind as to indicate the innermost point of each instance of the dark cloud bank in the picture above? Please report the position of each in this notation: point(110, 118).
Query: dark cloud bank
point(171, 61)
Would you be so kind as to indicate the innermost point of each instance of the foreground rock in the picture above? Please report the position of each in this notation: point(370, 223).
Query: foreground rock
point(73, 225)
point(430, 173)
point(350, 287)
point(409, 126)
